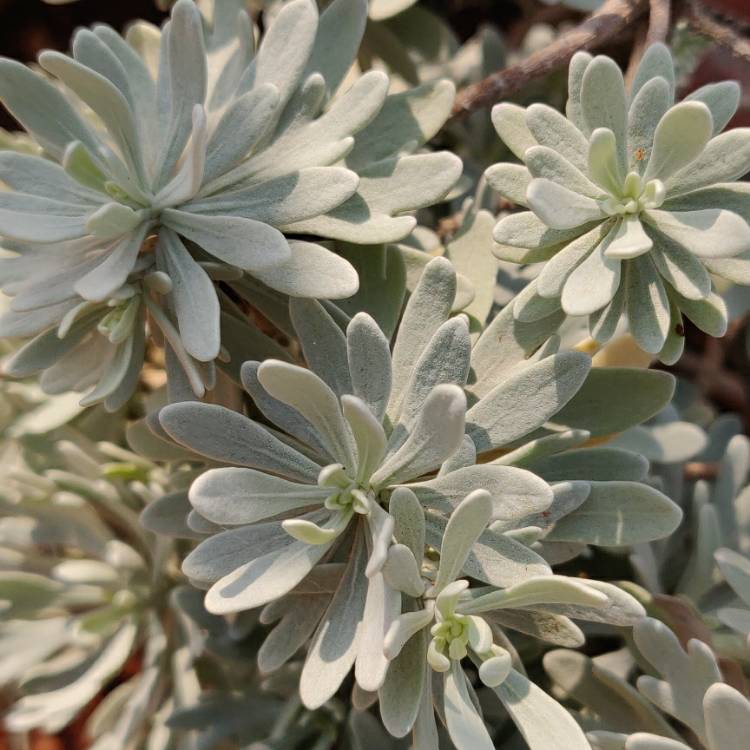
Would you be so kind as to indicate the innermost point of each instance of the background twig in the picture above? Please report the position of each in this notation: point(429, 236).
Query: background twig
point(659, 16)
point(602, 26)
point(704, 23)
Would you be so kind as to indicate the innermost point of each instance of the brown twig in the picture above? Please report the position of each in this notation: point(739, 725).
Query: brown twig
point(704, 23)
point(606, 23)
point(659, 15)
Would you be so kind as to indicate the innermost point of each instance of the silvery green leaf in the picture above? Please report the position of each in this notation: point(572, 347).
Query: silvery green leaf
point(369, 363)
point(504, 414)
point(707, 232)
point(540, 448)
point(541, 720)
point(416, 260)
point(643, 741)
point(113, 271)
point(298, 617)
point(495, 558)
point(23, 593)
point(314, 400)
point(222, 553)
point(680, 268)
point(167, 515)
point(510, 123)
point(42, 109)
point(402, 572)
point(611, 697)
point(593, 283)
point(557, 270)
point(238, 496)
point(382, 277)
point(604, 102)
point(647, 305)
point(530, 307)
point(646, 110)
point(525, 230)
point(515, 493)
point(323, 343)
point(428, 308)
point(553, 629)
point(383, 9)
point(408, 515)
point(245, 342)
point(736, 619)
point(722, 99)
point(547, 163)
point(466, 524)
point(368, 433)
point(594, 464)
point(401, 693)
point(31, 219)
point(282, 58)
point(36, 176)
point(726, 158)
point(53, 708)
point(364, 729)
point(503, 348)
point(710, 314)
point(561, 208)
point(469, 251)
point(196, 303)
point(227, 436)
point(668, 442)
point(656, 62)
point(245, 243)
point(687, 674)
point(437, 433)
point(629, 240)
point(444, 359)
point(603, 164)
point(281, 415)
point(104, 98)
point(736, 571)
point(699, 575)
point(465, 725)
point(181, 85)
point(554, 131)
point(578, 64)
point(301, 194)
point(386, 190)
point(264, 578)
point(24, 643)
point(592, 408)
point(510, 180)
point(599, 520)
point(44, 350)
point(338, 38)
point(727, 717)
point(311, 271)
point(382, 607)
point(465, 456)
point(407, 117)
point(679, 138)
point(535, 592)
point(620, 608)
point(334, 646)
point(245, 121)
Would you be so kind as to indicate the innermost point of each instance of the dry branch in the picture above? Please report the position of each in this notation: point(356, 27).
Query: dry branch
point(605, 24)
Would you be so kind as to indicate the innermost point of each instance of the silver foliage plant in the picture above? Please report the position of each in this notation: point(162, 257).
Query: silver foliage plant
point(370, 497)
point(633, 201)
point(179, 157)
